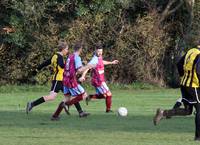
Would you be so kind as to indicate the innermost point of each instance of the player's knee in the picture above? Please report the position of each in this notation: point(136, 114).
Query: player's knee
point(67, 98)
point(50, 98)
point(109, 94)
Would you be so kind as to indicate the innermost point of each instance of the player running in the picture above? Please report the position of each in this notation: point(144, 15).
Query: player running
point(189, 70)
point(98, 79)
point(71, 86)
point(57, 63)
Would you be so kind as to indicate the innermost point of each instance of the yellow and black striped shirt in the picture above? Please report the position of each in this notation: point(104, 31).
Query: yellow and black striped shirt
point(190, 72)
point(57, 63)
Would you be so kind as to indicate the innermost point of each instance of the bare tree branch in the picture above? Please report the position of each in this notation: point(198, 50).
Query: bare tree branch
point(168, 10)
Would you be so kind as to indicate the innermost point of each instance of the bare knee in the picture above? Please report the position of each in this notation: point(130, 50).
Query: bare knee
point(50, 97)
point(108, 94)
point(67, 98)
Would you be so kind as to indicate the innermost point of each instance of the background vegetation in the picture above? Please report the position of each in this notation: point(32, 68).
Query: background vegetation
point(146, 36)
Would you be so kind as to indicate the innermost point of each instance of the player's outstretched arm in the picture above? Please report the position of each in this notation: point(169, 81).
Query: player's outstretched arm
point(39, 67)
point(82, 78)
point(84, 68)
point(44, 64)
point(110, 62)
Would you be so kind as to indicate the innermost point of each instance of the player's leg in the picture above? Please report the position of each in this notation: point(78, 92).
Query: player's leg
point(78, 93)
point(78, 108)
point(108, 102)
point(187, 94)
point(178, 103)
point(108, 96)
point(55, 88)
point(76, 99)
point(197, 115)
point(161, 114)
point(102, 92)
point(60, 107)
point(187, 110)
point(197, 122)
point(98, 95)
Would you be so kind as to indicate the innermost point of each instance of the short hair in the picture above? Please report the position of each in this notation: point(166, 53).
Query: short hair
point(78, 45)
point(62, 44)
point(99, 46)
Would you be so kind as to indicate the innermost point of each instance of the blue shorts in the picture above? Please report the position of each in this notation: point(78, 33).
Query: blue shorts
point(74, 91)
point(103, 89)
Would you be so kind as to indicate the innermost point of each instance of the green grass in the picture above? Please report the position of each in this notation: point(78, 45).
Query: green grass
point(17, 128)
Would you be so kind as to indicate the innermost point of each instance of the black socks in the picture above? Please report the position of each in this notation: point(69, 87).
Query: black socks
point(38, 101)
point(78, 107)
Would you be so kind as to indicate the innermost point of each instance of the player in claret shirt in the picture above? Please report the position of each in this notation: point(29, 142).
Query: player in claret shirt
point(98, 79)
point(73, 90)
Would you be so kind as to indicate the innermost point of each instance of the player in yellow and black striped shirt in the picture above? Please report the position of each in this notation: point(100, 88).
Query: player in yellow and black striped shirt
point(189, 71)
point(57, 64)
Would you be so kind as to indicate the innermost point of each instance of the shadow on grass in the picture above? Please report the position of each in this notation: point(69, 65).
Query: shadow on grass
point(99, 122)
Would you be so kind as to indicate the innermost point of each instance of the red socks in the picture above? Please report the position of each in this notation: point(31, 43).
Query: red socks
point(59, 109)
point(96, 96)
point(74, 100)
point(108, 99)
point(108, 103)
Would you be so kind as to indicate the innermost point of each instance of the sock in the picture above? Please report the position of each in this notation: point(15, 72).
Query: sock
point(96, 96)
point(58, 110)
point(74, 100)
point(38, 101)
point(78, 107)
point(177, 112)
point(108, 102)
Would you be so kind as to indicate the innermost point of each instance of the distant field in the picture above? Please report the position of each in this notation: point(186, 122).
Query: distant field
point(16, 128)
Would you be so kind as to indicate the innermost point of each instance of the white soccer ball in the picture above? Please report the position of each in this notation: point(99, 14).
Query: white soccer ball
point(122, 111)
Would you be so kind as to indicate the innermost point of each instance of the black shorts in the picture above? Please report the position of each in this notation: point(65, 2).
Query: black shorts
point(57, 86)
point(190, 95)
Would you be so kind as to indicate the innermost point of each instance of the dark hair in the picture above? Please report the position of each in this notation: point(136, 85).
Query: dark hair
point(98, 46)
point(62, 44)
point(78, 45)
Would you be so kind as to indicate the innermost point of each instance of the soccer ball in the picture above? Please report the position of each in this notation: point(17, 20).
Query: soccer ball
point(122, 111)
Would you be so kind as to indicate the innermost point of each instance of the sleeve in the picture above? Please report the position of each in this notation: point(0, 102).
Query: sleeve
point(44, 64)
point(60, 61)
point(78, 62)
point(198, 67)
point(94, 60)
point(180, 66)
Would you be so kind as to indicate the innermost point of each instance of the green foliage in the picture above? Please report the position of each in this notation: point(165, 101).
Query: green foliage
point(130, 31)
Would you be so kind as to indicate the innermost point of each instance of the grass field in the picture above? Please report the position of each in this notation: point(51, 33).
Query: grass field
point(17, 128)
